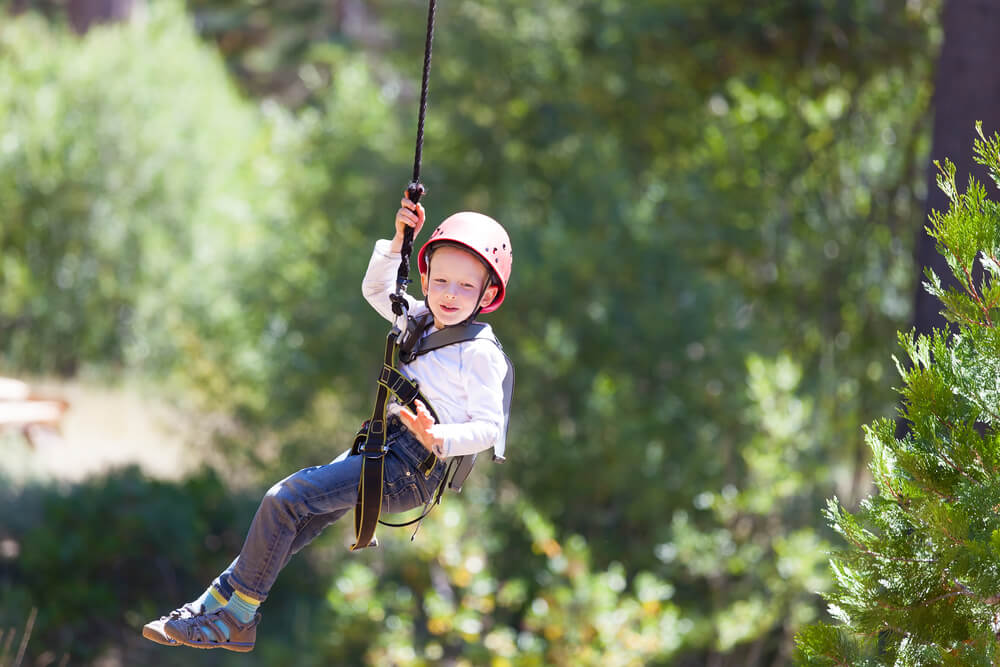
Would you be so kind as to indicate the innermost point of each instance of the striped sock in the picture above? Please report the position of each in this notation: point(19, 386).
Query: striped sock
point(242, 606)
point(222, 583)
point(211, 599)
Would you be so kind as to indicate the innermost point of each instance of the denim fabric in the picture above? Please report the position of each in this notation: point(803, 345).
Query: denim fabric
point(298, 508)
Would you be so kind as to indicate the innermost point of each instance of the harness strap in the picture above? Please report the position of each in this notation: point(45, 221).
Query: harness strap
point(371, 444)
point(405, 390)
point(417, 344)
point(369, 504)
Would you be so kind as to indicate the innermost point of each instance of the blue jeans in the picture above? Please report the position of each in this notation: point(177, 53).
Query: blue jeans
point(298, 508)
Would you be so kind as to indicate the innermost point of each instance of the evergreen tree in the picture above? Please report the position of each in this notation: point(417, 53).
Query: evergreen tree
point(919, 583)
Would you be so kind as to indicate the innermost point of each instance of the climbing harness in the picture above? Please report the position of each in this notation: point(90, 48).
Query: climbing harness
point(406, 392)
point(406, 345)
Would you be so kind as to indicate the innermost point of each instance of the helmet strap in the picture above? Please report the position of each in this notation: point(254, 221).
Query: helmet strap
point(475, 313)
point(488, 283)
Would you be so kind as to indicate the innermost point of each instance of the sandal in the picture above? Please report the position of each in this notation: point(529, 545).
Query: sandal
point(216, 629)
point(153, 630)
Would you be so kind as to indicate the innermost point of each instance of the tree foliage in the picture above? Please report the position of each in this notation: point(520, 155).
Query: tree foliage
point(920, 571)
point(132, 172)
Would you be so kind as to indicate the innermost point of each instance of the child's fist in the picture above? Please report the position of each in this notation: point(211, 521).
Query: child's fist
point(409, 215)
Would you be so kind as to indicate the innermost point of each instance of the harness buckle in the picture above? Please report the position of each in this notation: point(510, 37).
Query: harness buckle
point(399, 305)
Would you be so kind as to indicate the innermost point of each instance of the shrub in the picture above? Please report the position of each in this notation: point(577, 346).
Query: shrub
point(127, 163)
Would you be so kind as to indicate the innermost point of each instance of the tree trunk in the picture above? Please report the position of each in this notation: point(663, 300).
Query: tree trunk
point(85, 13)
point(967, 89)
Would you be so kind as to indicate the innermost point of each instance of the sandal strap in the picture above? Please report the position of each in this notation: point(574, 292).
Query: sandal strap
point(214, 622)
point(216, 637)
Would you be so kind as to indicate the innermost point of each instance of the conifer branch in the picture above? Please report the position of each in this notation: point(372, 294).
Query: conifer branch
point(950, 594)
point(969, 284)
point(976, 297)
point(954, 466)
point(951, 537)
point(895, 494)
point(892, 628)
point(943, 496)
point(836, 660)
point(962, 590)
point(993, 258)
point(898, 559)
point(965, 590)
point(969, 320)
point(957, 468)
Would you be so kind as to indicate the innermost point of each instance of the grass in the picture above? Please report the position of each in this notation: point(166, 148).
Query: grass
point(7, 638)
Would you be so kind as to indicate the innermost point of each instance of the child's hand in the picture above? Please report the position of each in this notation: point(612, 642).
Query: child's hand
point(419, 425)
point(408, 215)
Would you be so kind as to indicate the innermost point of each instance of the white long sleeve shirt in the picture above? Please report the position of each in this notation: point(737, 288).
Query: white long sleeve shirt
point(464, 381)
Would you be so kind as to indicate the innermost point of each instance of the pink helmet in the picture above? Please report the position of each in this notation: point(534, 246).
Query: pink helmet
point(482, 235)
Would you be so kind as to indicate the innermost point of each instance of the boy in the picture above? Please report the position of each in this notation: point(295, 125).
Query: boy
point(464, 268)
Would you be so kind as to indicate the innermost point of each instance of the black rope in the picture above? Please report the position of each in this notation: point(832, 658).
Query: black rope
point(424, 85)
point(415, 190)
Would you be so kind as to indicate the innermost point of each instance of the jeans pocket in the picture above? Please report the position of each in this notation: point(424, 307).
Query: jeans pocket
point(401, 493)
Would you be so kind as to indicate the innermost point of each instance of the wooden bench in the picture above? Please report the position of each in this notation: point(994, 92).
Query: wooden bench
point(23, 410)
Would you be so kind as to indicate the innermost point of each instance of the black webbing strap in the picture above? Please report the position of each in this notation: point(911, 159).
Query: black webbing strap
point(369, 505)
point(440, 338)
point(371, 444)
point(397, 383)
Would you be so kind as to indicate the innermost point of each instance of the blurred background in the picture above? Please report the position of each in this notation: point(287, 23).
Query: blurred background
point(717, 211)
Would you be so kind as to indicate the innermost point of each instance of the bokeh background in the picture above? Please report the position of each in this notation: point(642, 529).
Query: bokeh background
point(717, 211)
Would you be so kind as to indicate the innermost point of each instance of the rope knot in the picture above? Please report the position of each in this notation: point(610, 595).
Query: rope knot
point(415, 190)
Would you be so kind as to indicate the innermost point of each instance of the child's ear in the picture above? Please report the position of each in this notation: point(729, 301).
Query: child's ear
point(423, 283)
point(488, 296)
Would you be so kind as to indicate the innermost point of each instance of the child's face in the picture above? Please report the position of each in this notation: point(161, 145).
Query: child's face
point(453, 286)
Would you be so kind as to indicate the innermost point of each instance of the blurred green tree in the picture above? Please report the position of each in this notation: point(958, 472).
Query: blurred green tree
point(128, 163)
